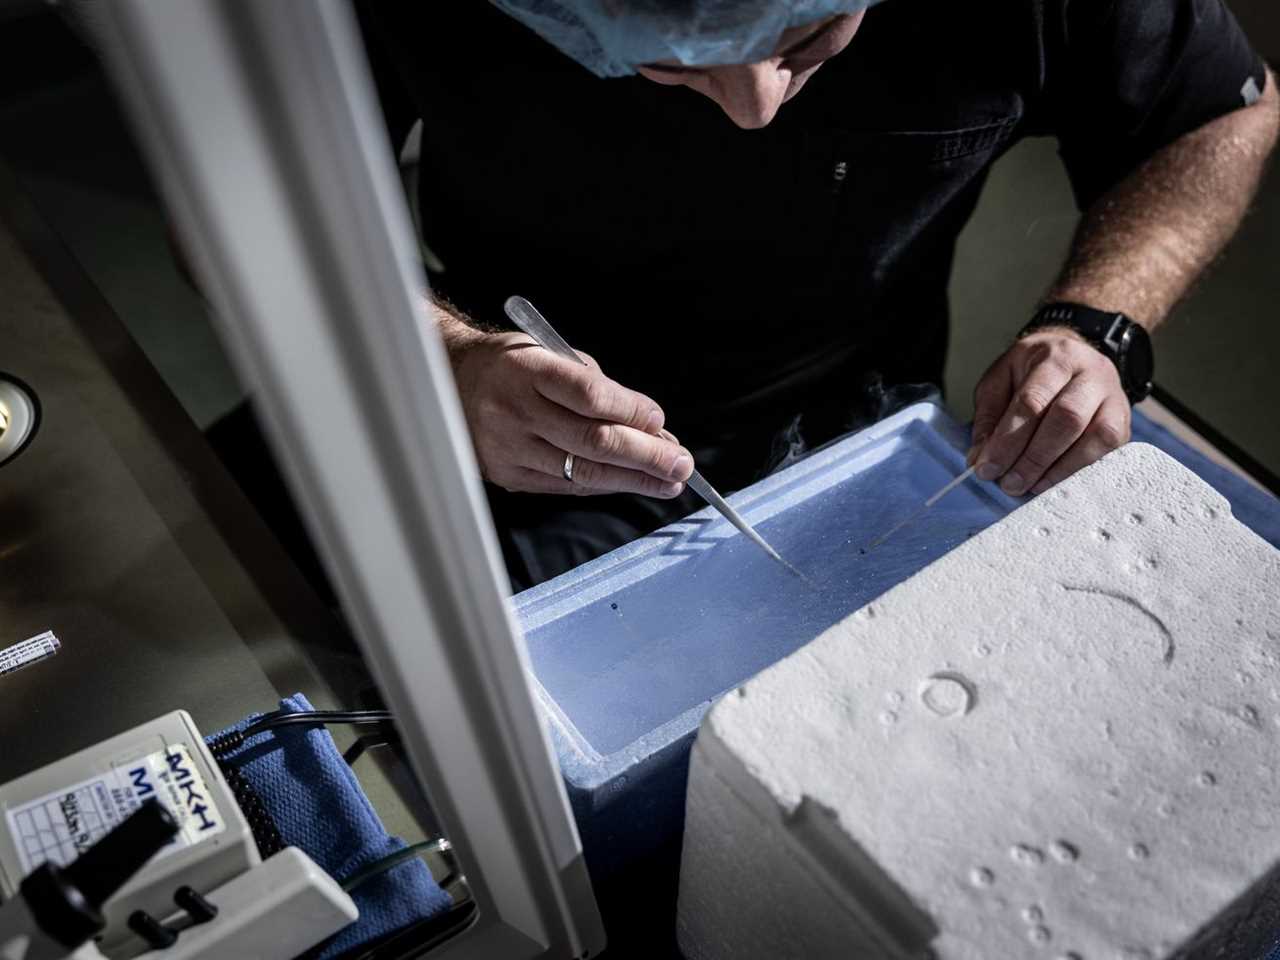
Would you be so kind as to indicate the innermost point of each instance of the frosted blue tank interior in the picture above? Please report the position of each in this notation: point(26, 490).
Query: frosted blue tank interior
point(629, 651)
point(710, 609)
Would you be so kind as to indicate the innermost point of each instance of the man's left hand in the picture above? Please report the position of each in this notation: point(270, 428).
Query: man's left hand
point(1049, 406)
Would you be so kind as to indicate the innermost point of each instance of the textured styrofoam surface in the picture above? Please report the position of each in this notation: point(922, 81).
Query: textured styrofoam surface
point(1060, 738)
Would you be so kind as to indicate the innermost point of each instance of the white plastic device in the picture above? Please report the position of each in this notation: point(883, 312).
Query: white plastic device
point(277, 910)
point(274, 911)
point(60, 810)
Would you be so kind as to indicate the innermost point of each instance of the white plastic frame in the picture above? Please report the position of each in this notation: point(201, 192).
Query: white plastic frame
point(261, 124)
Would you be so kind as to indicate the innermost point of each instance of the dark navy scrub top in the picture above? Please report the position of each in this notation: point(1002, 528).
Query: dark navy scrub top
point(743, 277)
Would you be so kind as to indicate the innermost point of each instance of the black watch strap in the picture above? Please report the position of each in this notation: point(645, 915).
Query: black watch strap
point(1124, 342)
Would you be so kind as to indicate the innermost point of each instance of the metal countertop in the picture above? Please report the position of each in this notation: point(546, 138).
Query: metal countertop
point(121, 532)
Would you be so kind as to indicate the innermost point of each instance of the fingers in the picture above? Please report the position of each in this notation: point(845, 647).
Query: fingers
point(1064, 407)
point(1063, 423)
point(591, 477)
point(990, 400)
point(527, 407)
point(1108, 430)
point(591, 394)
point(526, 480)
point(1018, 424)
point(612, 444)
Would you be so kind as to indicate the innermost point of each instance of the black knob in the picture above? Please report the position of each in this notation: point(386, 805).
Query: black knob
point(107, 866)
point(65, 901)
point(157, 935)
point(198, 908)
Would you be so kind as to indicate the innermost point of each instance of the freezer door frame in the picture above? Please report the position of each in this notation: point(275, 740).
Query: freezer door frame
point(262, 127)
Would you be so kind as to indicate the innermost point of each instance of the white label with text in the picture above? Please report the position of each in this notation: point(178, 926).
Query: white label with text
point(40, 647)
point(60, 826)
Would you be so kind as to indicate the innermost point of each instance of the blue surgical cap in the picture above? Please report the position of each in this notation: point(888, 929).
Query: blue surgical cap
point(612, 37)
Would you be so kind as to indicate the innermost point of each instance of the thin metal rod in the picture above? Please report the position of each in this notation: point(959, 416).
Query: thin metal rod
point(928, 504)
point(951, 486)
point(708, 493)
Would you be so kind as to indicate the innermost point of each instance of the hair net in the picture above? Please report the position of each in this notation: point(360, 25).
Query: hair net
point(612, 37)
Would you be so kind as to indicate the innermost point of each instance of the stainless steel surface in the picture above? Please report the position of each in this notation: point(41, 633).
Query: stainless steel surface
point(102, 541)
point(121, 531)
point(527, 317)
point(262, 127)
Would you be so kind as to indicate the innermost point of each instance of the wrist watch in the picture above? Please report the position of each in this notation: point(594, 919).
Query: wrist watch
point(1123, 342)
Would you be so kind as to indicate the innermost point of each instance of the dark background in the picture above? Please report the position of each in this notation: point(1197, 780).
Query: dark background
point(61, 132)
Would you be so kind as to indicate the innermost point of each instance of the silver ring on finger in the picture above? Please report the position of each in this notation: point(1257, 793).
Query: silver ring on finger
point(567, 469)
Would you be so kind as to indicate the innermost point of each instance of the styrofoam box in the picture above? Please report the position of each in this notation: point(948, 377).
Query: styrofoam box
point(1058, 740)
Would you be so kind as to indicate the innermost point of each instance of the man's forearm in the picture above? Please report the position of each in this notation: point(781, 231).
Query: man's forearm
point(457, 330)
point(1141, 246)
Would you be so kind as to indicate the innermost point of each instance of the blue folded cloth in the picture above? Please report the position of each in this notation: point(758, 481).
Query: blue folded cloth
point(318, 806)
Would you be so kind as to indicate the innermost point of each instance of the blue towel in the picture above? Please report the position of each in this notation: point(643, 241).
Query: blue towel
point(319, 807)
point(1256, 509)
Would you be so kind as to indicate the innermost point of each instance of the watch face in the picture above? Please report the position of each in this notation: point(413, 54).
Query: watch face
point(1138, 359)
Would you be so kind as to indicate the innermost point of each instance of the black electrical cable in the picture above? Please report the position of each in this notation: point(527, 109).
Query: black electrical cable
point(368, 742)
point(383, 864)
point(282, 718)
point(224, 743)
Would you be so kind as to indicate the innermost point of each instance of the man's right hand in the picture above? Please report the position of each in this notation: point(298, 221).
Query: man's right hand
point(527, 408)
